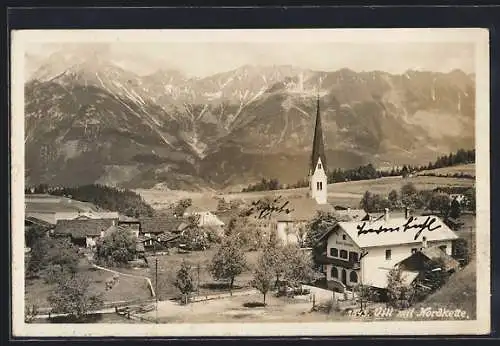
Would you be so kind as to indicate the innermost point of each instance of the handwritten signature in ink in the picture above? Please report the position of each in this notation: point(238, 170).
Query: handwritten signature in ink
point(410, 224)
point(264, 208)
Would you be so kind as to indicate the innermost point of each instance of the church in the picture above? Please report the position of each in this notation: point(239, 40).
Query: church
point(291, 227)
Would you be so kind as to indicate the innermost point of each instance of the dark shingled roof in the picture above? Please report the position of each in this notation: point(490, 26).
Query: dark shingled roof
point(160, 224)
point(434, 254)
point(318, 149)
point(82, 228)
point(39, 222)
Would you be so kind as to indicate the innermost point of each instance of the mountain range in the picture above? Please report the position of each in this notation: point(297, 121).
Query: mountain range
point(89, 120)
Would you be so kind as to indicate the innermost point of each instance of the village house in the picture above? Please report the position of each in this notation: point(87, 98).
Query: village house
point(159, 230)
point(364, 251)
point(84, 232)
point(206, 218)
point(131, 223)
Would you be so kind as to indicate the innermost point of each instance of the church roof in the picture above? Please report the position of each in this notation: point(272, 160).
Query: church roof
point(318, 149)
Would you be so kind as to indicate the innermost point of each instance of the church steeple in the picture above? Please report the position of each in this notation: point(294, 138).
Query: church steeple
point(318, 179)
point(318, 148)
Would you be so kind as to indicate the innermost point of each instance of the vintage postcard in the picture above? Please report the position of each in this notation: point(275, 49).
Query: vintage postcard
point(250, 182)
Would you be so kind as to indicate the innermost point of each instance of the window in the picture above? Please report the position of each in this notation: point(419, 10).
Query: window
point(334, 252)
point(353, 257)
point(319, 185)
point(319, 165)
point(334, 273)
point(343, 254)
point(353, 277)
point(387, 254)
point(443, 248)
point(344, 237)
point(414, 250)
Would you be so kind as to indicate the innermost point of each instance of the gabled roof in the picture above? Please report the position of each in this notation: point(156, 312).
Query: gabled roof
point(303, 209)
point(160, 224)
point(392, 231)
point(127, 219)
point(318, 148)
point(39, 222)
point(416, 261)
point(82, 228)
point(353, 214)
point(435, 253)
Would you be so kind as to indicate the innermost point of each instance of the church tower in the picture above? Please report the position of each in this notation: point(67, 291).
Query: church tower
point(317, 171)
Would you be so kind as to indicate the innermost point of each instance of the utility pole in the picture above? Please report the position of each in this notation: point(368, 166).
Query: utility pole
point(156, 287)
point(198, 278)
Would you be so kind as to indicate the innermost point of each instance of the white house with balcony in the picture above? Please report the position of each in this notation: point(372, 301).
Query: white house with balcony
point(363, 252)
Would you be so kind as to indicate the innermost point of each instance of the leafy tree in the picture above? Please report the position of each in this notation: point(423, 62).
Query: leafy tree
point(184, 281)
point(222, 204)
point(72, 296)
point(398, 293)
point(116, 248)
point(455, 209)
point(38, 258)
point(393, 198)
point(275, 258)
point(34, 233)
point(30, 312)
point(318, 226)
point(194, 236)
point(264, 185)
point(228, 262)
point(440, 202)
point(246, 231)
point(180, 207)
point(461, 250)
point(470, 196)
point(299, 265)
point(54, 253)
point(264, 274)
point(408, 193)
point(373, 202)
point(122, 200)
point(64, 254)
point(301, 234)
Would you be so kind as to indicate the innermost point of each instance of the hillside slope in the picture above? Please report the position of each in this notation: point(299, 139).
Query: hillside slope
point(458, 293)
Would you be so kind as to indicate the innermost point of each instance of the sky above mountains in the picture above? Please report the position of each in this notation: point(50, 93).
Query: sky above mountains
point(200, 59)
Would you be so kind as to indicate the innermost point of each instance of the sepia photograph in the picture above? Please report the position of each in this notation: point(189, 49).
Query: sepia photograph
point(250, 182)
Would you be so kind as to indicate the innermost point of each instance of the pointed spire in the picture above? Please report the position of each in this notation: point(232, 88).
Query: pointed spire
point(318, 149)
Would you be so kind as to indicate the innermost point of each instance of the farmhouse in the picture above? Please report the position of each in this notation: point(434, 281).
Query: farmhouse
point(131, 223)
point(158, 229)
point(365, 251)
point(206, 218)
point(84, 233)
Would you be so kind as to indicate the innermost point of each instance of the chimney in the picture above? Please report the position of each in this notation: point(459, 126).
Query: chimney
point(348, 209)
point(407, 212)
point(386, 214)
point(424, 242)
point(102, 234)
point(114, 222)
